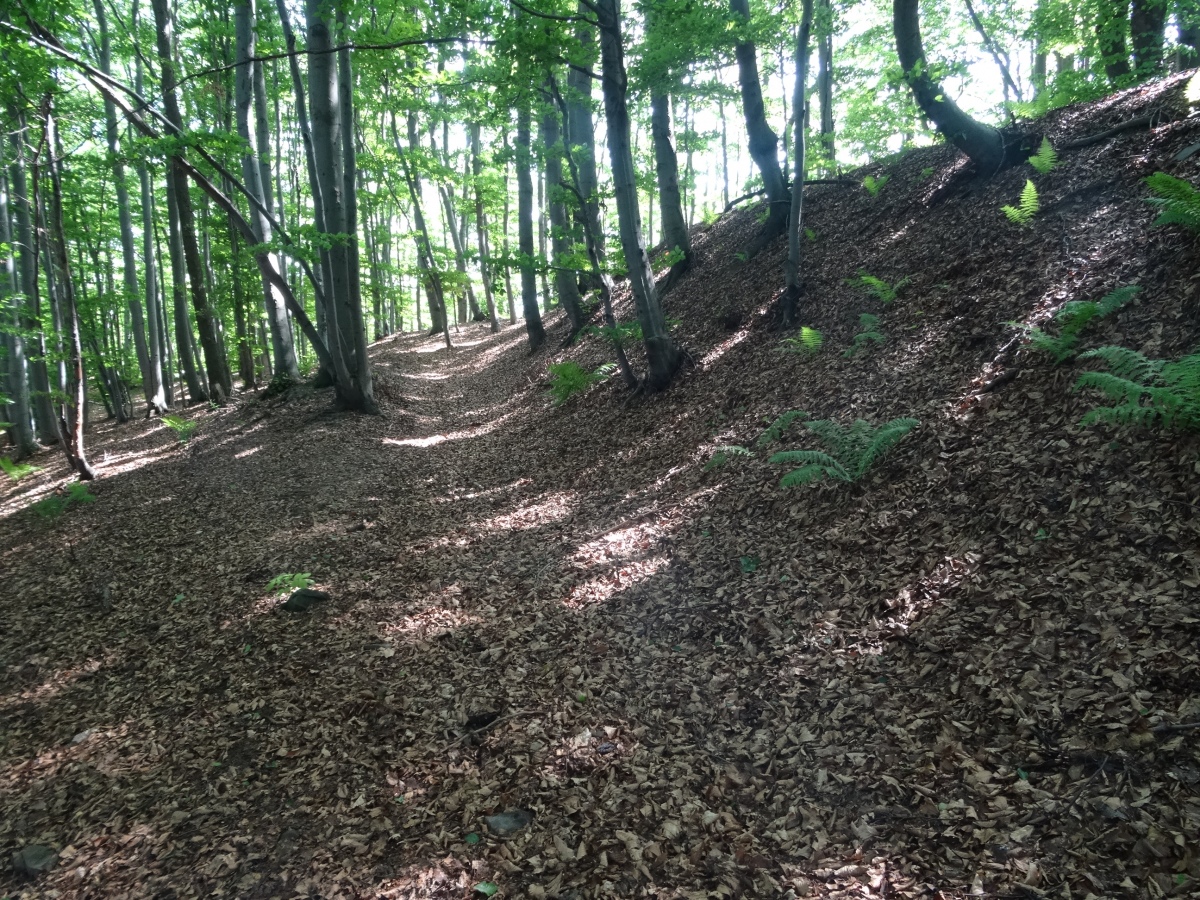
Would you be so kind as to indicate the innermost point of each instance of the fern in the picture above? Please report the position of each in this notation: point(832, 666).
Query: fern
point(869, 333)
point(1072, 318)
point(875, 185)
point(724, 454)
point(779, 426)
point(851, 451)
point(880, 289)
point(1145, 391)
point(1028, 208)
point(16, 471)
point(807, 342)
point(569, 378)
point(1178, 200)
point(182, 427)
point(1045, 159)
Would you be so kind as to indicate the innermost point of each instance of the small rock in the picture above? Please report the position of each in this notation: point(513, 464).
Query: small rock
point(304, 599)
point(33, 860)
point(508, 822)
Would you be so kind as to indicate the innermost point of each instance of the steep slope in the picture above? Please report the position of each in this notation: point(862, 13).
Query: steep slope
point(972, 674)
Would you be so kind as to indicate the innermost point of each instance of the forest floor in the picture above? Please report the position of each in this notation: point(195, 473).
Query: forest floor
point(564, 657)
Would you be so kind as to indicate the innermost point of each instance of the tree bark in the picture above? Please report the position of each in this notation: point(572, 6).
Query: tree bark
point(581, 138)
point(1112, 22)
point(663, 355)
point(982, 143)
point(1147, 19)
point(791, 295)
point(20, 410)
point(763, 142)
point(566, 282)
point(824, 25)
point(481, 231)
point(529, 304)
point(676, 235)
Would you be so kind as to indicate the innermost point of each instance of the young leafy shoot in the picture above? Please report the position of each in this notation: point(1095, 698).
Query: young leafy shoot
point(874, 185)
point(869, 333)
point(1023, 213)
point(183, 428)
point(808, 342)
point(878, 288)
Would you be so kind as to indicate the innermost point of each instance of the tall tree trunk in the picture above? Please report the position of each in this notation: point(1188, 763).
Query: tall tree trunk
point(566, 282)
point(724, 154)
point(791, 295)
point(529, 304)
point(542, 238)
point(676, 235)
point(763, 142)
point(663, 355)
point(220, 380)
point(824, 24)
point(133, 300)
point(982, 143)
point(481, 231)
point(73, 414)
point(1147, 19)
point(508, 285)
point(183, 325)
point(581, 137)
point(467, 304)
point(13, 322)
point(1112, 24)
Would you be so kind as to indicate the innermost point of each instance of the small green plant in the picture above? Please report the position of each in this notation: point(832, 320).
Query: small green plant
point(621, 334)
point(1045, 159)
point(50, 508)
point(722, 455)
point(183, 428)
point(1145, 391)
point(875, 185)
point(741, 256)
point(869, 333)
point(1178, 200)
point(569, 378)
point(287, 582)
point(808, 342)
point(851, 451)
point(810, 234)
point(927, 173)
point(16, 471)
point(777, 428)
point(878, 288)
point(710, 217)
point(1072, 318)
point(1023, 213)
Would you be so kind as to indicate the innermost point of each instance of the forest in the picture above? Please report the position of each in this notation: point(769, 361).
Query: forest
point(574, 449)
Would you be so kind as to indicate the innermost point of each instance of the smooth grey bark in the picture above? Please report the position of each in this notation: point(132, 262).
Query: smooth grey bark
point(982, 143)
point(581, 135)
point(675, 231)
point(542, 237)
point(529, 304)
point(183, 325)
point(1147, 19)
point(663, 355)
point(45, 428)
point(763, 143)
point(160, 385)
point(566, 282)
point(19, 410)
point(250, 90)
point(354, 307)
point(791, 268)
point(468, 304)
point(481, 231)
point(129, 255)
point(220, 380)
point(824, 25)
point(72, 417)
point(508, 285)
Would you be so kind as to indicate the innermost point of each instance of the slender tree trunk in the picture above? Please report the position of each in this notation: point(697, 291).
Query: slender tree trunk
point(581, 137)
point(1147, 19)
point(825, 83)
point(481, 231)
point(724, 154)
point(1112, 23)
point(763, 142)
point(13, 319)
point(791, 295)
point(529, 304)
point(508, 285)
point(566, 282)
point(982, 143)
point(543, 250)
point(676, 235)
point(663, 355)
point(73, 414)
point(183, 326)
point(159, 392)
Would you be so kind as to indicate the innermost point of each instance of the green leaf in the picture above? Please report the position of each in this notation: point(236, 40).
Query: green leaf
point(1028, 208)
point(473, 839)
point(1045, 159)
point(486, 888)
point(749, 564)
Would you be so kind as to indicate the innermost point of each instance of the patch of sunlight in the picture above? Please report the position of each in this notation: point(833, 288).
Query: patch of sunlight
point(617, 579)
point(724, 347)
point(449, 877)
point(431, 622)
point(554, 508)
point(586, 750)
point(425, 376)
point(55, 684)
point(455, 497)
point(243, 454)
point(918, 598)
point(434, 439)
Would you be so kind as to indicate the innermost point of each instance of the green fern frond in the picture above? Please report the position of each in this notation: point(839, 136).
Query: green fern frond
point(1114, 300)
point(1178, 199)
point(1023, 214)
point(875, 185)
point(851, 451)
point(779, 426)
point(870, 333)
point(722, 455)
point(813, 466)
point(1045, 159)
point(882, 291)
point(808, 341)
point(1126, 363)
point(16, 471)
point(1145, 391)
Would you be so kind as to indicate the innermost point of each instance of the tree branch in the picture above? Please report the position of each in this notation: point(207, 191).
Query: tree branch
point(552, 17)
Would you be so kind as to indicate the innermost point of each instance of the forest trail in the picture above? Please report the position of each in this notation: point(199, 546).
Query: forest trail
point(973, 674)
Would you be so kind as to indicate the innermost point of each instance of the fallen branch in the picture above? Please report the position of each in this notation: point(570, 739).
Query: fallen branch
point(843, 182)
point(1139, 122)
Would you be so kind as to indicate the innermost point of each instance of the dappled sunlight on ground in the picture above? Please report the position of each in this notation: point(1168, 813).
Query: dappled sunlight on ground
point(57, 682)
point(553, 508)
